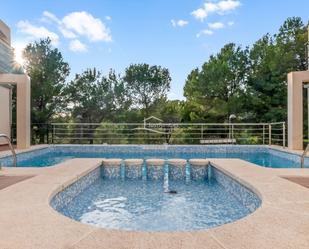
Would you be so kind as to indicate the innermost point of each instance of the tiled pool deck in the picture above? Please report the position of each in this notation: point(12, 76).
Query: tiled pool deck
point(28, 221)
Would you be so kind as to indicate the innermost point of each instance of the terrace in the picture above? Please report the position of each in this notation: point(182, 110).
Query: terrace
point(153, 184)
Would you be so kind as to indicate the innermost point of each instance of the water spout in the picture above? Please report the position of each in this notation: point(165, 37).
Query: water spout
point(166, 188)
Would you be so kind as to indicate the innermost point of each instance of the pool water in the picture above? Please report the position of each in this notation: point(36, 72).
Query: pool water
point(259, 158)
point(142, 205)
point(259, 155)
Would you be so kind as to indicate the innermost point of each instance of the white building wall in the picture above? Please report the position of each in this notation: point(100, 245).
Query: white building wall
point(5, 67)
point(5, 112)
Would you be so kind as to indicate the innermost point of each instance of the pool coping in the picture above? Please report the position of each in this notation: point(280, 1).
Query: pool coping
point(28, 221)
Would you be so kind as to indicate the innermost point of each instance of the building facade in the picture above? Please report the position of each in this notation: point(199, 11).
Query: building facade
point(6, 60)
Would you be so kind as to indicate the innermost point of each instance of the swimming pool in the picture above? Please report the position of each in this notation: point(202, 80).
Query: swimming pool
point(140, 202)
point(261, 155)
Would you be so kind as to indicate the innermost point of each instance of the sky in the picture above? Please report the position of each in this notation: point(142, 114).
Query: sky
point(177, 34)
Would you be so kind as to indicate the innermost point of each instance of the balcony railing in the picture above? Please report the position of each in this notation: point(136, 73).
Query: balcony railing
point(159, 133)
point(6, 58)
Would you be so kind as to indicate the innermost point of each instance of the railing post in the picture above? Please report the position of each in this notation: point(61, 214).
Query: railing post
point(269, 134)
point(47, 133)
point(263, 134)
point(53, 133)
point(202, 132)
point(283, 130)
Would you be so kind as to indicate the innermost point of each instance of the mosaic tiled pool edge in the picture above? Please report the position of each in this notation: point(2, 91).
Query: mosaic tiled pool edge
point(244, 195)
point(66, 195)
point(194, 149)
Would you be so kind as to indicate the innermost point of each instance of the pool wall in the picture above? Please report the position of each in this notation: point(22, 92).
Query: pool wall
point(245, 195)
point(68, 193)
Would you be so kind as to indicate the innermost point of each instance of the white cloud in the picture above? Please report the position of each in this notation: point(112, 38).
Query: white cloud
point(67, 33)
point(230, 23)
point(222, 7)
point(48, 16)
point(80, 23)
point(227, 5)
point(85, 24)
point(37, 32)
point(199, 14)
point(108, 18)
point(73, 26)
point(179, 23)
point(77, 46)
point(205, 32)
point(216, 25)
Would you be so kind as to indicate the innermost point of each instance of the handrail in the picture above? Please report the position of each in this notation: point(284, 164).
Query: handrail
point(264, 133)
point(151, 130)
point(302, 159)
point(11, 148)
point(163, 123)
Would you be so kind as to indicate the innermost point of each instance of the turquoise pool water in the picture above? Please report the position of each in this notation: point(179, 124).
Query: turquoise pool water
point(113, 201)
point(143, 205)
point(262, 156)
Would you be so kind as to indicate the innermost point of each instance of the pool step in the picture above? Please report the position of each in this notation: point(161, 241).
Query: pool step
point(155, 169)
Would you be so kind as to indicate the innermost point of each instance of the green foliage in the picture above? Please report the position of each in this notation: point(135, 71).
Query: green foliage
point(147, 85)
point(93, 98)
point(251, 82)
point(215, 91)
point(271, 58)
point(48, 71)
point(170, 111)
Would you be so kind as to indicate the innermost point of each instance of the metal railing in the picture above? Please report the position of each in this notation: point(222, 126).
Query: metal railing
point(11, 148)
point(167, 133)
point(302, 158)
point(40, 133)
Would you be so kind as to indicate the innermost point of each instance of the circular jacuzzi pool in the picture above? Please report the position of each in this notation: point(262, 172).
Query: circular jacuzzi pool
point(149, 197)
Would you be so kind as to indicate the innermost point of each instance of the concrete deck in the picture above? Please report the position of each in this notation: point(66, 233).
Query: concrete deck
point(6, 181)
point(303, 181)
point(28, 221)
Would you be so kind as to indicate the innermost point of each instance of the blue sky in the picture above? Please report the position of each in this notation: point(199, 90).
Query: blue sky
point(177, 34)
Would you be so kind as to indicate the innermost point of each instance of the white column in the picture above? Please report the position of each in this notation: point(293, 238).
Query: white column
point(23, 112)
point(295, 109)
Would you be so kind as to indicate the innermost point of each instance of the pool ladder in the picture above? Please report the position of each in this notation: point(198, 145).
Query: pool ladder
point(302, 159)
point(11, 148)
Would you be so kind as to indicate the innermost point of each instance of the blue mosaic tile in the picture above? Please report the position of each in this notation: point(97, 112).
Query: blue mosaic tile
point(177, 172)
point(111, 172)
point(65, 196)
point(198, 173)
point(155, 172)
point(284, 155)
point(8, 160)
point(133, 172)
point(241, 192)
point(58, 153)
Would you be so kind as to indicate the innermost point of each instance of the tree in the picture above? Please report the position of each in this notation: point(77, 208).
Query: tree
point(146, 85)
point(48, 71)
point(216, 90)
point(271, 59)
point(252, 83)
point(93, 98)
point(121, 98)
point(90, 97)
